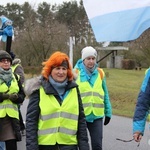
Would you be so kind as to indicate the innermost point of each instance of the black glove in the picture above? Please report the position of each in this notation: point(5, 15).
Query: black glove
point(13, 97)
point(5, 96)
point(107, 120)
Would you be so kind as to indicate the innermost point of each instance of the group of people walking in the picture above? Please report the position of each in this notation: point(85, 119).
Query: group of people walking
point(64, 104)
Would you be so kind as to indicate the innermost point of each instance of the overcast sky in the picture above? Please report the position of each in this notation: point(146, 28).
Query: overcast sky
point(33, 2)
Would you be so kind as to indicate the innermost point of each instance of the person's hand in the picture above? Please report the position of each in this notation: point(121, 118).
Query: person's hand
point(4, 96)
point(107, 120)
point(137, 136)
point(13, 97)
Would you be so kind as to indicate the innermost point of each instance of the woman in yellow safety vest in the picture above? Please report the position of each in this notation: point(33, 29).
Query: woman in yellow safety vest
point(55, 118)
point(11, 94)
point(95, 97)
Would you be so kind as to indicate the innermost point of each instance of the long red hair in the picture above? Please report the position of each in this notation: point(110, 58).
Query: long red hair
point(56, 60)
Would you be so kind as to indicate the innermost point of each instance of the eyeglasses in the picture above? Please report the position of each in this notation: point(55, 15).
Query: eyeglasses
point(5, 60)
point(128, 141)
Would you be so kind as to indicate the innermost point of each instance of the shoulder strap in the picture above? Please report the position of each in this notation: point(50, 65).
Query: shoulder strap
point(101, 73)
point(76, 70)
point(16, 76)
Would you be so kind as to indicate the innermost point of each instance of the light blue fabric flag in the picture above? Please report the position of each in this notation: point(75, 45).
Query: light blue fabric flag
point(118, 20)
point(6, 28)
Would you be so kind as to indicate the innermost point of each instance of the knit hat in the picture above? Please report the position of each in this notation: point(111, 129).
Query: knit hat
point(88, 51)
point(55, 60)
point(5, 55)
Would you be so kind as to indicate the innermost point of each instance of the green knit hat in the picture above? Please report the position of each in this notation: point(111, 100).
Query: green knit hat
point(5, 55)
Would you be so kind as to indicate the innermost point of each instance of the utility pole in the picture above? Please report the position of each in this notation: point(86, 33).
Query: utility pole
point(71, 43)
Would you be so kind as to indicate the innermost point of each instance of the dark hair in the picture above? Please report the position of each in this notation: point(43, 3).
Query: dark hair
point(12, 55)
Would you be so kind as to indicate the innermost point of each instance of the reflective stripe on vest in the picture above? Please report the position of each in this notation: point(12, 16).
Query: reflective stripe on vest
point(7, 107)
point(92, 97)
point(58, 124)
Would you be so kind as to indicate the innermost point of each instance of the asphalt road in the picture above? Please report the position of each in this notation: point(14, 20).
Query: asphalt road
point(119, 127)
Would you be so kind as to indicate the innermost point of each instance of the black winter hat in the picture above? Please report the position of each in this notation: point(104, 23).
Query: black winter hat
point(5, 55)
point(12, 55)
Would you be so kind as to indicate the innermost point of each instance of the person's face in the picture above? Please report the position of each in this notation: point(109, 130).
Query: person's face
point(89, 62)
point(5, 64)
point(59, 74)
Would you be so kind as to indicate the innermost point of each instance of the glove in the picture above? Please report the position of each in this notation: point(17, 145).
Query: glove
point(5, 96)
point(13, 97)
point(107, 120)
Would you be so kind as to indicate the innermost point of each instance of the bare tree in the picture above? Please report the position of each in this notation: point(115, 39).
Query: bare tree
point(140, 49)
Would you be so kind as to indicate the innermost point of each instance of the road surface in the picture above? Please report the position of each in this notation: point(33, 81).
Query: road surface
point(119, 127)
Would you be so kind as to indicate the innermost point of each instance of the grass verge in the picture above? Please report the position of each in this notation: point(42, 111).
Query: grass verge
point(123, 87)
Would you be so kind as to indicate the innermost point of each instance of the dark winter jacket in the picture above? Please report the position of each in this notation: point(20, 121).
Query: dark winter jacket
point(33, 112)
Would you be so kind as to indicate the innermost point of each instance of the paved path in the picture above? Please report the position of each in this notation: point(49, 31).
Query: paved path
point(119, 127)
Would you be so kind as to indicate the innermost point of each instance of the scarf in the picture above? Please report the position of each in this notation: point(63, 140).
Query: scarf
point(89, 71)
point(6, 76)
point(90, 74)
point(59, 87)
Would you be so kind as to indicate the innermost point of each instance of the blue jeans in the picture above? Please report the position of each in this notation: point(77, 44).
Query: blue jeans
point(2, 145)
point(96, 133)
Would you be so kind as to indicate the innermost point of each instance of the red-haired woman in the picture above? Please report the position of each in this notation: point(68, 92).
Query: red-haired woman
point(55, 117)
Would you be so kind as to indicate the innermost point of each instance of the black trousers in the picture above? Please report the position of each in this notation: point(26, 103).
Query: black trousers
point(58, 147)
point(96, 133)
point(11, 144)
point(22, 126)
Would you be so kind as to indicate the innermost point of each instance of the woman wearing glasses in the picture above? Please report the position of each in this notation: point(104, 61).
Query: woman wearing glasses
point(11, 94)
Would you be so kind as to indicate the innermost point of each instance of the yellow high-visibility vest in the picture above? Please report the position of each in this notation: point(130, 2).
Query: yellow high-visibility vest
point(14, 67)
point(92, 97)
point(7, 107)
point(58, 124)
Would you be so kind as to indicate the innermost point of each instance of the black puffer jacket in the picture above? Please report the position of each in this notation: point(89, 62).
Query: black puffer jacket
point(33, 112)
